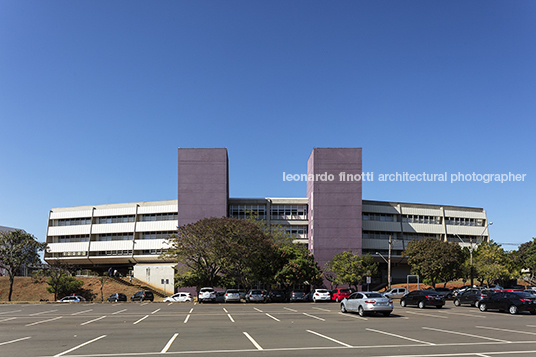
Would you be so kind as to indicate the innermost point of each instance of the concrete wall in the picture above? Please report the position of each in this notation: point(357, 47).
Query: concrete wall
point(154, 274)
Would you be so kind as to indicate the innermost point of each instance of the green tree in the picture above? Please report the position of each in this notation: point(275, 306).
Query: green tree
point(435, 260)
point(61, 280)
point(17, 249)
point(491, 263)
point(351, 269)
point(297, 266)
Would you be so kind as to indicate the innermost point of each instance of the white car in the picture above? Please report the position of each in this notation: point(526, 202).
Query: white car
point(73, 298)
point(395, 293)
point(366, 302)
point(179, 297)
point(206, 294)
point(321, 295)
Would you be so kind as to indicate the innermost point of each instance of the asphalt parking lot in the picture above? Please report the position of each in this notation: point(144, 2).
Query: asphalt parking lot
point(293, 329)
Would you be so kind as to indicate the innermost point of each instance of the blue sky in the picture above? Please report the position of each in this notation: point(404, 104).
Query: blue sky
point(96, 97)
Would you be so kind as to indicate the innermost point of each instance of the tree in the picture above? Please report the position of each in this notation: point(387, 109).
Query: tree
point(491, 263)
point(434, 259)
point(297, 266)
point(351, 269)
point(60, 279)
point(17, 249)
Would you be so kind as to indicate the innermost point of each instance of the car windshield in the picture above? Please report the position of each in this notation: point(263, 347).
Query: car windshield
point(206, 290)
point(256, 292)
point(322, 291)
point(232, 291)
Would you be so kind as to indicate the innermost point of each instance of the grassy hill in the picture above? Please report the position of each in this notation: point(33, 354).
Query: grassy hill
point(27, 289)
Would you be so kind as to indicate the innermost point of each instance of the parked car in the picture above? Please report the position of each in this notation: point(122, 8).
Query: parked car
point(321, 295)
point(72, 298)
point(232, 295)
point(309, 296)
point(511, 301)
point(423, 298)
point(115, 297)
point(220, 296)
point(257, 295)
point(395, 293)
point(458, 291)
point(471, 297)
point(446, 292)
point(339, 294)
point(143, 295)
point(179, 297)
point(297, 295)
point(277, 296)
point(367, 302)
point(206, 294)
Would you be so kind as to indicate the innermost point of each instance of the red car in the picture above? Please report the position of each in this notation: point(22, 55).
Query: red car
point(339, 294)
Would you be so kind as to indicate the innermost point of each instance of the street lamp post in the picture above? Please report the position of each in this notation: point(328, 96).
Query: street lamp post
point(388, 264)
point(471, 250)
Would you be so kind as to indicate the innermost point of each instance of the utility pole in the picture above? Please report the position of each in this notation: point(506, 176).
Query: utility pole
point(389, 264)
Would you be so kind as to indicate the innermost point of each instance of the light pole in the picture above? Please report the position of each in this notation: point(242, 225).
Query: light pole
point(471, 250)
point(388, 265)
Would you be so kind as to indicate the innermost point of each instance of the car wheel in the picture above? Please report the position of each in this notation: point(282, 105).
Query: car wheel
point(360, 311)
point(513, 309)
point(477, 303)
point(387, 313)
point(403, 303)
point(421, 304)
point(482, 307)
point(457, 302)
point(343, 309)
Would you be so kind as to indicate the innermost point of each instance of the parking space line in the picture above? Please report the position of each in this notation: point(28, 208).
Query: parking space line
point(329, 338)
point(354, 316)
point(120, 311)
point(140, 320)
point(267, 314)
point(458, 313)
point(155, 311)
point(40, 322)
point(313, 316)
point(403, 337)
point(9, 312)
point(318, 308)
point(170, 304)
point(81, 345)
point(81, 312)
point(466, 334)
point(187, 318)
point(90, 321)
point(42, 312)
point(253, 341)
point(9, 318)
point(506, 330)
point(170, 342)
point(191, 310)
point(289, 309)
point(230, 317)
point(224, 309)
point(12, 341)
point(259, 310)
point(429, 315)
point(145, 303)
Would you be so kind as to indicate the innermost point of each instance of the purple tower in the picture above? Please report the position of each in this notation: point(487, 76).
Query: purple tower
point(335, 209)
point(203, 184)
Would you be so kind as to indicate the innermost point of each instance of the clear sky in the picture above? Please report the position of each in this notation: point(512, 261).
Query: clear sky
point(96, 97)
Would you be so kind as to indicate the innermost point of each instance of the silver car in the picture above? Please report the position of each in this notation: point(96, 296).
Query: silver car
point(207, 294)
point(395, 293)
point(232, 295)
point(366, 302)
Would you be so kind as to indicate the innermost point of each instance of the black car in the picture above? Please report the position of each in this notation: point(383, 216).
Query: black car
point(423, 298)
point(115, 297)
point(471, 297)
point(277, 296)
point(297, 295)
point(446, 292)
point(511, 301)
point(143, 295)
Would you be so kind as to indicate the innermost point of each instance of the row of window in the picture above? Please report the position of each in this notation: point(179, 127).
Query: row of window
point(379, 217)
point(410, 218)
point(246, 211)
point(296, 231)
point(296, 212)
point(125, 252)
point(114, 236)
point(454, 221)
point(114, 219)
point(70, 239)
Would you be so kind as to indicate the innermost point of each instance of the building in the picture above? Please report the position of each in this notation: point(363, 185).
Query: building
point(332, 218)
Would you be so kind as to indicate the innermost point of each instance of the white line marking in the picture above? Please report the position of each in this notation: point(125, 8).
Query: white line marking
point(17, 340)
point(224, 309)
point(259, 310)
point(405, 338)
point(230, 317)
point(145, 303)
point(9, 312)
point(9, 318)
point(82, 345)
point(318, 308)
point(253, 341)
point(120, 311)
point(289, 309)
point(502, 329)
point(354, 316)
point(155, 311)
point(470, 315)
point(267, 314)
point(170, 304)
point(170, 342)
point(313, 316)
point(90, 321)
point(466, 334)
point(429, 315)
point(192, 309)
point(81, 312)
point(140, 320)
point(40, 322)
point(187, 318)
point(42, 312)
point(329, 338)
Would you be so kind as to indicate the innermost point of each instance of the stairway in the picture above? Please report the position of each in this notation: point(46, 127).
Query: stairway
point(140, 285)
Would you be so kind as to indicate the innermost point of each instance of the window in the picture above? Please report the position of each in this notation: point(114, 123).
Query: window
point(114, 236)
point(457, 221)
point(246, 211)
point(410, 218)
point(115, 219)
point(159, 217)
point(70, 222)
point(156, 235)
point(70, 238)
point(288, 212)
